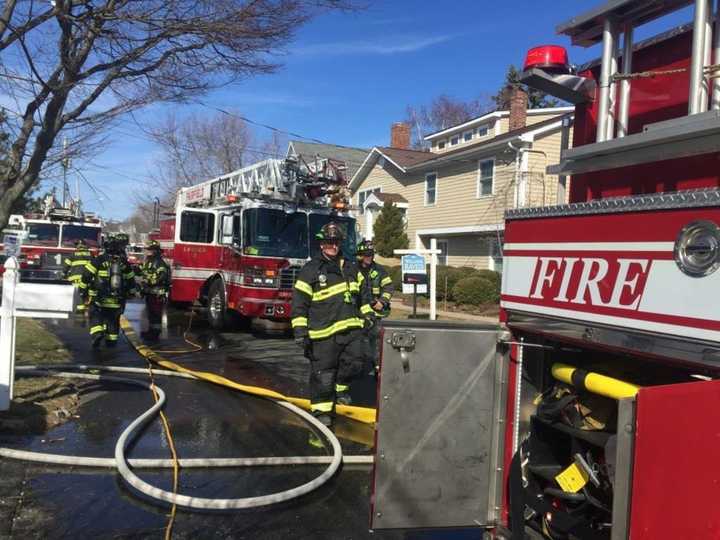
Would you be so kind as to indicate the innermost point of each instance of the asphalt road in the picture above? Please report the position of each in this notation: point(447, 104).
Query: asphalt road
point(207, 421)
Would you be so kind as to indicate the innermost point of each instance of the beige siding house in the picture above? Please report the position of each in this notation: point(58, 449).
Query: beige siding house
point(458, 192)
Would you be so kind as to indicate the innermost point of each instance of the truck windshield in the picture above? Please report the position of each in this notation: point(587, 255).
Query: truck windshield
point(73, 233)
point(274, 233)
point(316, 223)
point(42, 234)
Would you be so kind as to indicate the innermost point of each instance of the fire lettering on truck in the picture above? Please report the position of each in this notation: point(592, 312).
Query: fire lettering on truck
point(611, 281)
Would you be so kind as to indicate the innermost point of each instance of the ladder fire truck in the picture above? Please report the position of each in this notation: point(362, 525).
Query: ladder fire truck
point(593, 410)
point(49, 236)
point(236, 242)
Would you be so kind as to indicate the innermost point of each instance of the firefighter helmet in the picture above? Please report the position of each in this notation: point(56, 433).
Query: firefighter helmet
point(331, 232)
point(366, 247)
point(80, 243)
point(111, 245)
point(122, 239)
point(154, 245)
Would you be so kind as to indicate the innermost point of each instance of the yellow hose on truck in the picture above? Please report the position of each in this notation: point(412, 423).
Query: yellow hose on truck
point(594, 382)
point(365, 415)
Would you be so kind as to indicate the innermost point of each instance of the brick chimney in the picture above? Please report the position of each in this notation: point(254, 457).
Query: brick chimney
point(400, 135)
point(518, 108)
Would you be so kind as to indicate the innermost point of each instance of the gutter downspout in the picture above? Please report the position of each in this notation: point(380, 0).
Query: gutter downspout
point(517, 172)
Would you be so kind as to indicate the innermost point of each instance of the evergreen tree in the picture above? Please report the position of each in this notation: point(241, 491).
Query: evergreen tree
point(389, 231)
point(537, 99)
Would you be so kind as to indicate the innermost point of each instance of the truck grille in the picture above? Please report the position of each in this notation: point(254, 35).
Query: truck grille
point(288, 277)
point(52, 259)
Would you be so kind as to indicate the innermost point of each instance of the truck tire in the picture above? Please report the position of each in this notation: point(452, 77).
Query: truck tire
point(217, 309)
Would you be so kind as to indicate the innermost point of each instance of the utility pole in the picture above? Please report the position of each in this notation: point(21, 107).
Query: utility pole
point(65, 166)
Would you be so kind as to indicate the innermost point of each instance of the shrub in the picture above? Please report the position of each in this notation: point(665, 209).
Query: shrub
point(490, 275)
point(475, 291)
point(395, 272)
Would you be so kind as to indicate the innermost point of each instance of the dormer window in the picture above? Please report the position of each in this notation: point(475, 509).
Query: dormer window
point(455, 139)
point(441, 145)
point(467, 136)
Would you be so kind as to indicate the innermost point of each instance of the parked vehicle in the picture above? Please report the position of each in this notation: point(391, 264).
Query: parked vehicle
point(235, 243)
point(50, 236)
point(593, 411)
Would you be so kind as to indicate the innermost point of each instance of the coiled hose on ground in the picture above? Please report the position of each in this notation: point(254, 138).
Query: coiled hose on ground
point(134, 429)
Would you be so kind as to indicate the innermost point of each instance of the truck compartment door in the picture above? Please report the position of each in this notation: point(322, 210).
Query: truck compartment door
point(439, 432)
point(676, 477)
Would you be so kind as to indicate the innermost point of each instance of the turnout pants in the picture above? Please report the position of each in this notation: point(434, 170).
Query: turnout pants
point(154, 305)
point(372, 342)
point(334, 363)
point(105, 321)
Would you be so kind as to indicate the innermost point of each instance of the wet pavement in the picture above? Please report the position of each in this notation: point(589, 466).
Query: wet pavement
point(39, 501)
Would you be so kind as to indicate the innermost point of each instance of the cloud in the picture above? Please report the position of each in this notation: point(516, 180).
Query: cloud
point(396, 45)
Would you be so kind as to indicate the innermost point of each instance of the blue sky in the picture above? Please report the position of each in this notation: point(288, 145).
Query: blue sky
point(348, 76)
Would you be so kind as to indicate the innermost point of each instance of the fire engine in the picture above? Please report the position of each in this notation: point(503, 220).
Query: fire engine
point(49, 236)
point(593, 409)
point(236, 243)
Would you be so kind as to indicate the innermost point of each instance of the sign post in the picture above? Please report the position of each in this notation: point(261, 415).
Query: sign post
point(26, 300)
point(413, 264)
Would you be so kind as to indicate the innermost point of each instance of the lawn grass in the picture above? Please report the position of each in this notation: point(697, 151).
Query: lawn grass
point(35, 344)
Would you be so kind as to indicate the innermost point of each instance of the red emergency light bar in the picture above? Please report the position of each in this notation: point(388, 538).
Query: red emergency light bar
point(553, 58)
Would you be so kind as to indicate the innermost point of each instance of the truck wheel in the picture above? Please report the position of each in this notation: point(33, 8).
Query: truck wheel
point(217, 310)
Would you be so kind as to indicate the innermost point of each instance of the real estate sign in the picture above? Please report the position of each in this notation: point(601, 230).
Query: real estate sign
point(414, 274)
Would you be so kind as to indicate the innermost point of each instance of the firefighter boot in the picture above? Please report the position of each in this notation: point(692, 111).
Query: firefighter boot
point(342, 393)
point(326, 419)
point(97, 339)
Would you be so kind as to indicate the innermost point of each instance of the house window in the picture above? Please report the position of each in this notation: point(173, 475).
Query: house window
point(197, 227)
point(454, 140)
point(496, 259)
point(486, 173)
point(442, 245)
point(467, 136)
point(441, 145)
point(430, 189)
point(482, 131)
point(364, 194)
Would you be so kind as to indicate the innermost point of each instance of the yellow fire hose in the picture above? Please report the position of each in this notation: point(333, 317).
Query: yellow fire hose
point(594, 382)
point(365, 415)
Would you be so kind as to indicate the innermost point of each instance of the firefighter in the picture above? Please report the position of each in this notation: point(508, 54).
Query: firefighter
point(110, 281)
point(155, 273)
point(381, 290)
point(73, 268)
point(330, 308)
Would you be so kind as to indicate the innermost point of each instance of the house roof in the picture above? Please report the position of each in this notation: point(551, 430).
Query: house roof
point(404, 158)
point(494, 114)
point(414, 160)
point(352, 157)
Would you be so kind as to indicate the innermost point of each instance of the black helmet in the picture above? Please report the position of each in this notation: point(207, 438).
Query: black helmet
point(366, 247)
point(111, 245)
point(122, 239)
point(154, 245)
point(331, 231)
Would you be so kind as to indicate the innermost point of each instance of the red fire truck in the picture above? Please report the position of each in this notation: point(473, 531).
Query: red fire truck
point(593, 411)
point(236, 242)
point(49, 236)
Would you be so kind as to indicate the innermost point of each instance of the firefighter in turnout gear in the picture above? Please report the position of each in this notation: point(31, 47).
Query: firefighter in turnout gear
point(110, 281)
point(381, 289)
point(155, 273)
point(73, 269)
point(330, 308)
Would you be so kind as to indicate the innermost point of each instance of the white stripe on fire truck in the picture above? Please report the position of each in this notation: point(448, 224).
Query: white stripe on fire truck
point(622, 322)
point(591, 246)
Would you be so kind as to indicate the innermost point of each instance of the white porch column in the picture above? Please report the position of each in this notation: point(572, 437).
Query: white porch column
point(433, 279)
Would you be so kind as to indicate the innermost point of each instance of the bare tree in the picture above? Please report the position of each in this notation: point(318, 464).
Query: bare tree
point(443, 112)
point(74, 65)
